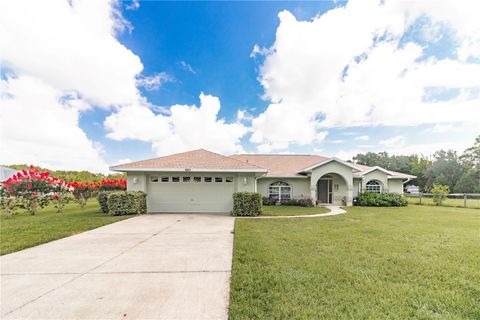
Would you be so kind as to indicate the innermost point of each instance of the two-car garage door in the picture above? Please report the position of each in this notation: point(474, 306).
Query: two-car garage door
point(200, 193)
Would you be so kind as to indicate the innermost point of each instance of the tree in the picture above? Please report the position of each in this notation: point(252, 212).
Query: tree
point(469, 181)
point(471, 156)
point(440, 192)
point(444, 170)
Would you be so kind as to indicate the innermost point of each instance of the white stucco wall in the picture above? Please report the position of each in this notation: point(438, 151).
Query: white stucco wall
point(245, 182)
point(356, 187)
point(395, 185)
point(300, 186)
point(139, 184)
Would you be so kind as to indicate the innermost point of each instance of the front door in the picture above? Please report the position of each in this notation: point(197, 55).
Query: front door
point(324, 189)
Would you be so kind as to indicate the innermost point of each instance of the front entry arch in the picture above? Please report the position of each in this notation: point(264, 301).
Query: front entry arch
point(332, 188)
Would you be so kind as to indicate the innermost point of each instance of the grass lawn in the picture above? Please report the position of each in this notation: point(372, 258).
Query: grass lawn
point(24, 231)
point(416, 262)
point(291, 210)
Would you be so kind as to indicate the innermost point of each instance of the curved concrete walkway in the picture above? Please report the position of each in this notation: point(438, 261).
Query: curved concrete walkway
point(334, 210)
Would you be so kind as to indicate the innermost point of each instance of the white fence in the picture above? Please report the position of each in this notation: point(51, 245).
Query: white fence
point(465, 200)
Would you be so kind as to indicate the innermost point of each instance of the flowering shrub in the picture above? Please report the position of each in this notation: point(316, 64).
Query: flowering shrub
point(31, 188)
point(34, 189)
point(61, 191)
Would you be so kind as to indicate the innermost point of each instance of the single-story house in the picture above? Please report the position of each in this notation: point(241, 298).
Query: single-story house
point(204, 181)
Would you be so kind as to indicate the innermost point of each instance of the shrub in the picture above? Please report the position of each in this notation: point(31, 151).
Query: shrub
point(383, 199)
point(126, 202)
point(439, 192)
point(102, 200)
point(303, 202)
point(266, 201)
point(247, 204)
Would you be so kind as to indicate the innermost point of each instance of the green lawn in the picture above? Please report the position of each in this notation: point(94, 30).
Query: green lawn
point(459, 202)
point(416, 262)
point(24, 231)
point(291, 210)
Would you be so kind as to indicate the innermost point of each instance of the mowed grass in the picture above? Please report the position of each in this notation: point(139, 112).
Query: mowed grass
point(450, 202)
point(24, 230)
point(416, 262)
point(291, 210)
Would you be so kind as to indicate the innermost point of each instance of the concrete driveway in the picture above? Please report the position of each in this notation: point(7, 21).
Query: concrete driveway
point(163, 266)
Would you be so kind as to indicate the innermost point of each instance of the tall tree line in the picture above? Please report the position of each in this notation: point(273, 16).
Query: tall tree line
point(461, 173)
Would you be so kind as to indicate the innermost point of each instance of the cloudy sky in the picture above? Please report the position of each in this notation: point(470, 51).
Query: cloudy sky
point(88, 84)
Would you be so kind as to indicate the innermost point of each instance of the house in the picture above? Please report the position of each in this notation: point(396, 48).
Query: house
point(204, 181)
point(6, 172)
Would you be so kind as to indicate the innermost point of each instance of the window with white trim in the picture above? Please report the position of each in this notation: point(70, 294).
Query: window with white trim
point(229, 179)
point(373, 186)
point(207, 179)
point(165, 179)
point(154, 178)
point(280, 191)
point(175, 179)
point(187, 179)
point(218, 179)
point(197, 179)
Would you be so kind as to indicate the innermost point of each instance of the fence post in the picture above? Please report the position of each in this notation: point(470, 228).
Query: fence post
point(465, 200)
point(420, 198)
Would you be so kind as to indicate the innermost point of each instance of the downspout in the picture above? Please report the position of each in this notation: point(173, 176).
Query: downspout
point(256, 178)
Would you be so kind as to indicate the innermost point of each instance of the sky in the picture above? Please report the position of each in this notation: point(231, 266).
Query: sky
point(89, 84)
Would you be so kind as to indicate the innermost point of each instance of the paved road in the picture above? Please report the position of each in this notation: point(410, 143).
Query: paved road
point(164, 266)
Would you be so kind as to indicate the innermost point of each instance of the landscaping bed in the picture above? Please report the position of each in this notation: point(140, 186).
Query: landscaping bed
point(371, 263)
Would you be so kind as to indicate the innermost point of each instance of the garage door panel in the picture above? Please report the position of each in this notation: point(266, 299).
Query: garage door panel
point(190, 197)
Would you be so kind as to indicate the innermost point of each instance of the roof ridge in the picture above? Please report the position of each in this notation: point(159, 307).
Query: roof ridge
point(278, 154)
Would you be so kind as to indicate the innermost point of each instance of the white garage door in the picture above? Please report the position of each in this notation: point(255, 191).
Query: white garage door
point(195, 193)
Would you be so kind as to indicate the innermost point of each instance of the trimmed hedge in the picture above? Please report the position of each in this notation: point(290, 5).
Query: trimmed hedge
point(102, 200)
point(383, 199)
point(126, 202)
point(247, 204)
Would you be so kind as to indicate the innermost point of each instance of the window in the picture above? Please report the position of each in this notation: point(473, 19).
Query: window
point(207, 179)
point(373, 186)
point(218, 179)
point(280, 191)
point(154, 178)
point(229, 179)
point(197, 179)
point(175, 179)
point(187, 179)
point(165, 179)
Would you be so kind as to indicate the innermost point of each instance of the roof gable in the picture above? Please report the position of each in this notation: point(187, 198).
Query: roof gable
point(281, 165)
point(322, 163)
point(196, 160)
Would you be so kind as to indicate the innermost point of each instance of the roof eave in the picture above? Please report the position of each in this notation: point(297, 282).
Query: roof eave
point(185, 170)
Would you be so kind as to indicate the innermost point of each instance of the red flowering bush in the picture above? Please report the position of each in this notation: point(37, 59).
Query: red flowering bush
point(60, 194)
point(30, 188)
point(33, 189)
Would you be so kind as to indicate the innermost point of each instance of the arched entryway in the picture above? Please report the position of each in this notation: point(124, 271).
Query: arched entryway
point(332, 188)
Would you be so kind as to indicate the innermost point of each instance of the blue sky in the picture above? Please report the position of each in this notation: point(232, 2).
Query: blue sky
point(332, 78)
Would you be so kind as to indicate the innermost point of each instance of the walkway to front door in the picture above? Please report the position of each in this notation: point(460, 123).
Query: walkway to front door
point(164, 266)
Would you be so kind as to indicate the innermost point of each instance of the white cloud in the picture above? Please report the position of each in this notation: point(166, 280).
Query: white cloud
point(186, 66)
point(70, 47)
point(394, 142)
point(439, 128)
point(122, 161)
point(133, 5)
point(325, 73)
point(38, 127)
point(186, 128)
point(337, 141)
point(154, 82)
point(362, 138)
point(62, 58)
